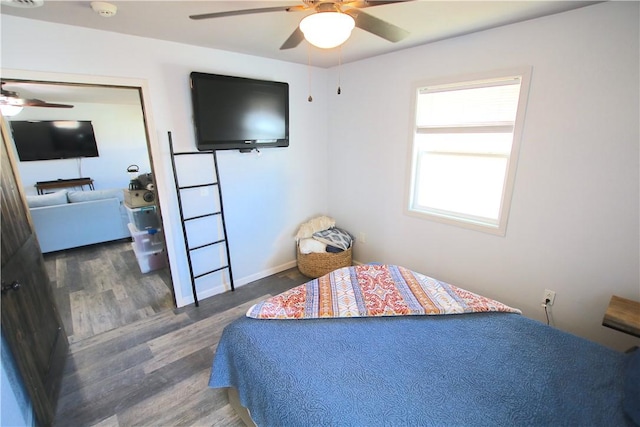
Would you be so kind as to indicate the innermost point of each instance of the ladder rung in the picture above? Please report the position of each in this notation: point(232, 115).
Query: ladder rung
point(188, 187)
point(209, 272)
point(207, 244)
point(202, 216)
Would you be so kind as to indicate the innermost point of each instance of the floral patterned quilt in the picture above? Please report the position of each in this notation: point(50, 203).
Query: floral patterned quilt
point(373, 290)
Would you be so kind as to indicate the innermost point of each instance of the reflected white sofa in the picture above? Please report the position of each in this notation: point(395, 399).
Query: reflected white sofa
point(70, 219)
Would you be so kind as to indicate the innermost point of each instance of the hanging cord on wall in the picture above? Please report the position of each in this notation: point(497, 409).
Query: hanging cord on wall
point(310, 98)
point(546, 309)
point(79, 160)
point(339, 91)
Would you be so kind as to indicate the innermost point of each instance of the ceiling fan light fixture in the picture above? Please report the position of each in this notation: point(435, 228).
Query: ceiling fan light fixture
point(10, 110)
point(327, 30)
point(10, 104)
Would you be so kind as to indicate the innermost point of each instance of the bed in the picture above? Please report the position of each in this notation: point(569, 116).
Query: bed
point(484, 366)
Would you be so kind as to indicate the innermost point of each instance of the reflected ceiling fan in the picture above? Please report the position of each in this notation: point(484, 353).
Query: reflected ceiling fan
point(331, 23)
point(12, 104)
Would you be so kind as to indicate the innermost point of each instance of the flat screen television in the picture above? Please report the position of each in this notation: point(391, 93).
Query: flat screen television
point(54, 139)
point(238, 113)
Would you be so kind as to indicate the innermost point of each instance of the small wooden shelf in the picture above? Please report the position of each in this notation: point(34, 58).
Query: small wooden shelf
point(623, 315)
point(63, 183)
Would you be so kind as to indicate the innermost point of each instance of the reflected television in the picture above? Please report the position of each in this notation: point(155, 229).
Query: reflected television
point(54, 139)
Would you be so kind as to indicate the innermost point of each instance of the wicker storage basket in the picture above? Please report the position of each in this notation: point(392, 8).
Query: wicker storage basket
point(315, 265)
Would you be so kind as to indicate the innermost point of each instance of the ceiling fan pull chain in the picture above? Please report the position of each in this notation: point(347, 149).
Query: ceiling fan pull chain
point(310, 98)
point(339, 68)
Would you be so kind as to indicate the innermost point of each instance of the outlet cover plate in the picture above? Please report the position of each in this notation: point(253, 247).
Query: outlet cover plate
point(549, 295)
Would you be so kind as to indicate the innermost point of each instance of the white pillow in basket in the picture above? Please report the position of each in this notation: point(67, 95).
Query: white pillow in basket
point(320, 223)
point(312, 245)
point(335, 237)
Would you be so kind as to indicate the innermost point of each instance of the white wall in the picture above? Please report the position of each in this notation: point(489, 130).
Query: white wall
point(574, 223)
point(265, 197)
point(120, 137)
point(15, 404)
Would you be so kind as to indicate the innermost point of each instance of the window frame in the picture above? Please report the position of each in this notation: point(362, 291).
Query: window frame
point(498, 227)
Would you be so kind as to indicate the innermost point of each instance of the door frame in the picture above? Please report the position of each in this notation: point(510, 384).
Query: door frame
point(142, 87)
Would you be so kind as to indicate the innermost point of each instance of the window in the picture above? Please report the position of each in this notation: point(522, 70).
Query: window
point(465, 146)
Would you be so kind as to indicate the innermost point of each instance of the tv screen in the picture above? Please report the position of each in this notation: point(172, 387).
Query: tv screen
point(54, 139)
point(233, 113)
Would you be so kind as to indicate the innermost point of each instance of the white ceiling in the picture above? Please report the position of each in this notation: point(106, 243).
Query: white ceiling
point(263, 34)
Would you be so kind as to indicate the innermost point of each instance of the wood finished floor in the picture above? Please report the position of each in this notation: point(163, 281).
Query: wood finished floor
point(100, 287)
point(154, 372)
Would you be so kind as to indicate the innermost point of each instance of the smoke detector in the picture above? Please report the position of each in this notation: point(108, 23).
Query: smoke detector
point(104, 9)
point(22, 3)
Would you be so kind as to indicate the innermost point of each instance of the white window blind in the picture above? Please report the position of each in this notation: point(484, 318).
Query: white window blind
point(463, 145)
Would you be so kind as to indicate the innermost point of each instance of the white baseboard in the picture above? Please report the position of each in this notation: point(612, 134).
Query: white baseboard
point(238, 283)
point(265, 273)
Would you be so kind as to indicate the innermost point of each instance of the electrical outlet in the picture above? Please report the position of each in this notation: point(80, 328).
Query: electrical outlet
point(548, 295)
point(362, 238)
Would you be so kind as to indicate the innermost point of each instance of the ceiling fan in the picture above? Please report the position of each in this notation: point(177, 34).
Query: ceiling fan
point(331, 23)
point(11, 104)
point(8, 97)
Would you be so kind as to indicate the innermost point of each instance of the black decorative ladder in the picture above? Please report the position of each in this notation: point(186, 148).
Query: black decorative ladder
point(184, 221)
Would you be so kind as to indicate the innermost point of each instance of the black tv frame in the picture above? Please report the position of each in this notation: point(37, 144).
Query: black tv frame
point(41, 140)
point(209, 110)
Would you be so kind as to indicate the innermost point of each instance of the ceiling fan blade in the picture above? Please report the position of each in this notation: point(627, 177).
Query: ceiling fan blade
point(377, 26)
point(294, 40)
point(361, 4)
point(8, 97)
point(242, 12)
point(40, 103)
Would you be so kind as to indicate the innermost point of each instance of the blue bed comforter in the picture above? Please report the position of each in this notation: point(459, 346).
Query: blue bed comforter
point(494, 369)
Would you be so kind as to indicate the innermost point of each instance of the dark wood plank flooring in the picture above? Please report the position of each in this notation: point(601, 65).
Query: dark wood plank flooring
point(154, 372)
point(100, 287)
